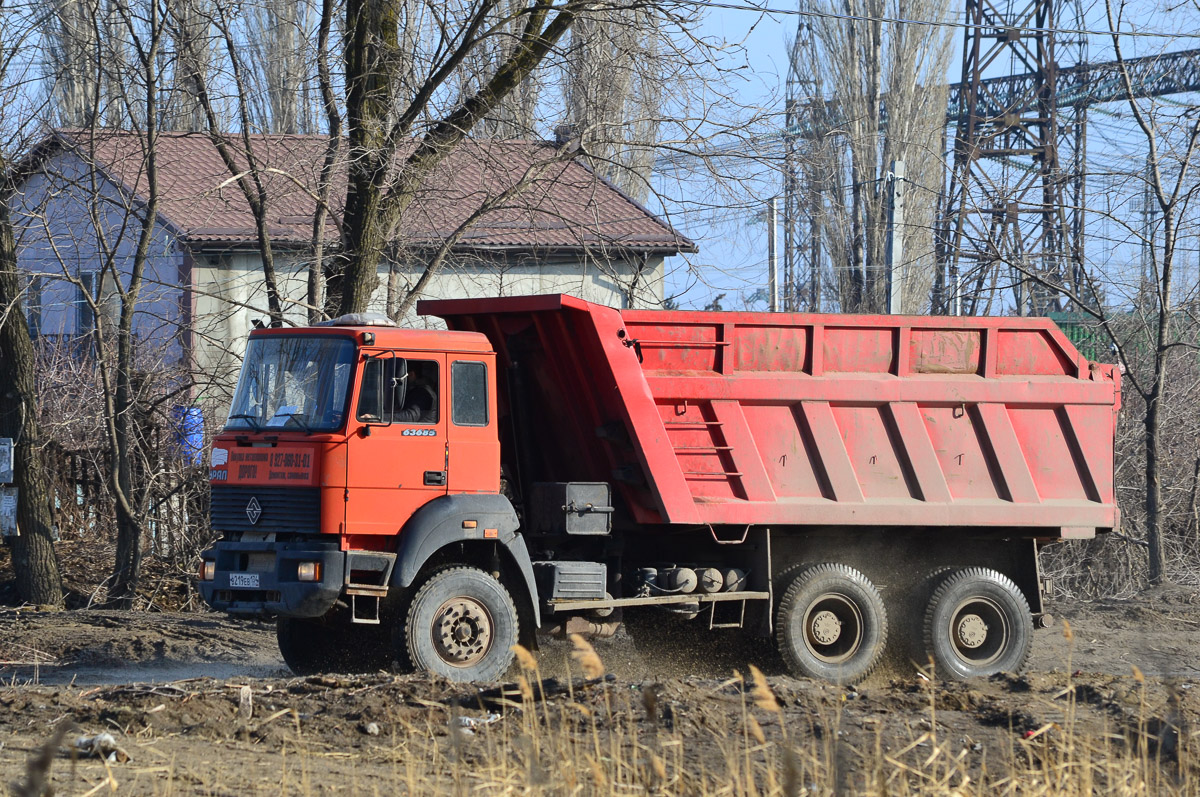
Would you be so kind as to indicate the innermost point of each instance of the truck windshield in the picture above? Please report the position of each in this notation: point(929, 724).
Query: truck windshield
point(293, 382)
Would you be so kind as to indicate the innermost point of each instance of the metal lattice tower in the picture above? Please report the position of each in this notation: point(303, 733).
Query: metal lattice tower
point(1015, 193)
point(1012, 212)
point(801, 279)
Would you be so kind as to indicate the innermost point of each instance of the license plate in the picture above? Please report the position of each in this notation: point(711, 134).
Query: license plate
point(243, 580)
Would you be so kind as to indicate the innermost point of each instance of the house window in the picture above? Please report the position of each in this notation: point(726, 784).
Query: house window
point(33, 306)
point(469, 386)
point(84, 317)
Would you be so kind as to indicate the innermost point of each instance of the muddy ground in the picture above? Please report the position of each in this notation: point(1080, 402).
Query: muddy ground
point(203, 705)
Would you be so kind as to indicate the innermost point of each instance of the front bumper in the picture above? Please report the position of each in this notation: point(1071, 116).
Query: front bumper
point(260, 578)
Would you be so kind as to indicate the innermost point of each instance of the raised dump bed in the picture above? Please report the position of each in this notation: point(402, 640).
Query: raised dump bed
point(728, 419)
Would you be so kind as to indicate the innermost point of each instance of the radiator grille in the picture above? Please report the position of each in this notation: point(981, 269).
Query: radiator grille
point(281, 509)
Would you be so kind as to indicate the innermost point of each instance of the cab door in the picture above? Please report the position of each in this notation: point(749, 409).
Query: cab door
point(397, 458)
point(474, 444)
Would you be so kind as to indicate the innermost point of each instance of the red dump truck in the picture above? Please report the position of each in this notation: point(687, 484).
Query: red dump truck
point(434, 497)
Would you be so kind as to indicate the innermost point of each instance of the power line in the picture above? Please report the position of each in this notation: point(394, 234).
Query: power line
point(795, 12)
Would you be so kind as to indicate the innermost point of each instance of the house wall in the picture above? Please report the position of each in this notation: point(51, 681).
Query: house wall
point(230, 294)
point(74, 232)
point(617, 282)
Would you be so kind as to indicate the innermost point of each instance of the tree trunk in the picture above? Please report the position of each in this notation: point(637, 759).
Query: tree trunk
point(34, 560)
point(1158, 560)
point(372, 44)
point(121, 422)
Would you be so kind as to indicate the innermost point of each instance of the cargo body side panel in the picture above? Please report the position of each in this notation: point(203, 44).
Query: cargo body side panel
point(876, 421)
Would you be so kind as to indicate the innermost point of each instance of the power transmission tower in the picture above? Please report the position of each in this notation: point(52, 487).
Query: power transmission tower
point(804, 110)
point(1012, 211)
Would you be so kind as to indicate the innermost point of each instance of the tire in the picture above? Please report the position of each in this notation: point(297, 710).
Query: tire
point(978, 623)
point(831, 624)
point(461, 625)
point(311, 646)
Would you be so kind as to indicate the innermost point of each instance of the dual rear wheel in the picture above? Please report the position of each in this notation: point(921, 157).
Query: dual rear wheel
point(831, 624)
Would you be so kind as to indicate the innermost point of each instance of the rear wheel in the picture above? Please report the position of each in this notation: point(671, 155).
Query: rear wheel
point(831, 624)
point(462, 625)
point(978, 623)
point(330, 644)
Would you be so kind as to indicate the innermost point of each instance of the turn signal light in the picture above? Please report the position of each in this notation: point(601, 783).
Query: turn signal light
point(308, 571)
point(208, 570)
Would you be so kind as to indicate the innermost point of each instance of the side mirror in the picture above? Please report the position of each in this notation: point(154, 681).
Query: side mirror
point(399, 385)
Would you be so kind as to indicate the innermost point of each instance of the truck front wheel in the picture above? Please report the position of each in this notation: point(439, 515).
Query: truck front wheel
point(978, 623)
point(462, 625)
point(831, 624)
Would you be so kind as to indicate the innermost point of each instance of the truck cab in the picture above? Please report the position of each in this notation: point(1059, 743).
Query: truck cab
point(343, 440)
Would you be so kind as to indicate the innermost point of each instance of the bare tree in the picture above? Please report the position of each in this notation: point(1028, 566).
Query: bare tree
point(515, 115)
point(862, 72)
point(73, 57)
point(276, 34)
point(614, 89)
point(34, 560)
point(241, 159)
point(380, 188)
point(188, 25)
point(114, 306)
point(1171, 143)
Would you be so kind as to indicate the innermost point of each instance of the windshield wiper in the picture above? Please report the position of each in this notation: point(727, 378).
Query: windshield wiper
point(253, 419)
point(296, 416)
point(299, 419)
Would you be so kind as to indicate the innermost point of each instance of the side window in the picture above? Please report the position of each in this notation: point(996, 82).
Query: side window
point(419, 393)
point(370, 396)
point(33, 306)
point(470, 400)
point(395, 390)
point(85, 317)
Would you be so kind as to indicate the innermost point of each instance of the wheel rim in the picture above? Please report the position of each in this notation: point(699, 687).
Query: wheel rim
point(833, 628)
point(462, 631)
point(979, 631)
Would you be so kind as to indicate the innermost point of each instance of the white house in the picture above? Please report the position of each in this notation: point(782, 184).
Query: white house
point(83, 196)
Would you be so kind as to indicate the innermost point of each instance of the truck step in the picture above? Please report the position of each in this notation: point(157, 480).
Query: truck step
point(367, 590)
point(365, 611)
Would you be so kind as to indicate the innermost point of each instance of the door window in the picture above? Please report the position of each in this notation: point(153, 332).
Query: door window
point(470, 399)
point(396, 390)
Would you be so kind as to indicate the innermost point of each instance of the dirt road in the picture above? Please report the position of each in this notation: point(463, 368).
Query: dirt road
point(203, 705)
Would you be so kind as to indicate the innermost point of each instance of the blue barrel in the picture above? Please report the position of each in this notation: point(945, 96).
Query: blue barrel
point(187, 426)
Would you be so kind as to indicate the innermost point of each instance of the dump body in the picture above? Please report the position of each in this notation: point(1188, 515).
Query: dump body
point(753, 419)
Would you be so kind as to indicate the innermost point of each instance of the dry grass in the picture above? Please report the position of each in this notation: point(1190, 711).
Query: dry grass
point(604, 739)
point(594, 735)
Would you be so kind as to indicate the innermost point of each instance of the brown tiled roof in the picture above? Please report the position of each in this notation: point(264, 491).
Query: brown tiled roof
point(566, 207)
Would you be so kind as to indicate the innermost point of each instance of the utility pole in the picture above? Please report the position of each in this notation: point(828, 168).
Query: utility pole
point(895, 236)
point(772, 254)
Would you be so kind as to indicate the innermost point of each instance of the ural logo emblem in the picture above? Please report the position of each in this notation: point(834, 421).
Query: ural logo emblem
point(253, 511)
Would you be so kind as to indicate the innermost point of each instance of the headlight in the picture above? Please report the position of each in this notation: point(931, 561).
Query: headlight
point(208, 569)
point(308, 571)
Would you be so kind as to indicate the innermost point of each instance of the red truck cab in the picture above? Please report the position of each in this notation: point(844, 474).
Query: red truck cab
point(337, 438)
